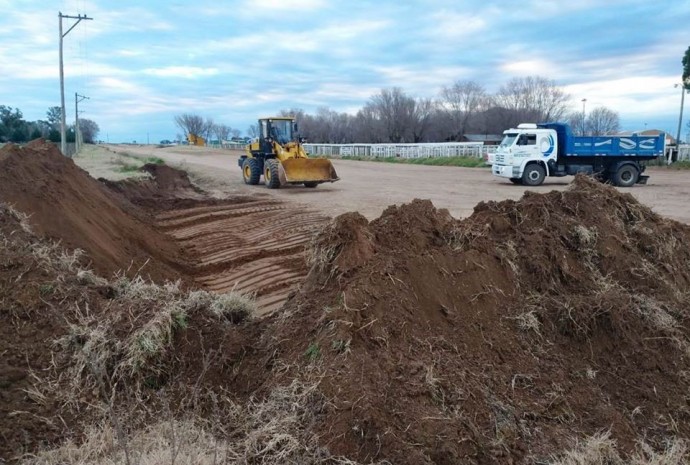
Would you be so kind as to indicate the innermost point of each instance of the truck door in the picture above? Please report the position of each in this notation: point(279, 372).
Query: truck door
point(526, 146)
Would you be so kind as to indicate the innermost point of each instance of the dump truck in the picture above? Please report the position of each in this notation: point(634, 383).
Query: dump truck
point(279, 156)
point(530, 152)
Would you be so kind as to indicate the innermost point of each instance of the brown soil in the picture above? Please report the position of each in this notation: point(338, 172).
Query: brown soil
point(502, 338)
point(67, 205)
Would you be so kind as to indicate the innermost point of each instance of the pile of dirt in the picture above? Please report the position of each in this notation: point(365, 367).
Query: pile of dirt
point(503, 338)
point(416, 338)
point(69, 206)
point(166, 185)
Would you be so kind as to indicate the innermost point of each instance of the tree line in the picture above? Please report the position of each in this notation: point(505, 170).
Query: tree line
point(465, 107)
point(204, 127)
point(14, 128)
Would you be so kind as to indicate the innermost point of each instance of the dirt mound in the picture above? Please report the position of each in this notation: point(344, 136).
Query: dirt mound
point(67, 205)
point(501, 338)
point(165, 184)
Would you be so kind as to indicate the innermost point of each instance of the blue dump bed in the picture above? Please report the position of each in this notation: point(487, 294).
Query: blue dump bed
point(644, 147)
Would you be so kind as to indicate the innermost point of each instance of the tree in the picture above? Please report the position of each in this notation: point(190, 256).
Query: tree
point(602, 121)
point(12, 125)
point(460, 102)
point(191, 124)
point(253, 130)
point(89, 130)
point(686, 69)
point(532, 99)
point(221, 132)
point(54, 116)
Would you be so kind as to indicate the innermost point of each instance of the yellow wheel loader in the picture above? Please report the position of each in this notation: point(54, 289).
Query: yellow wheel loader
point(278, 155)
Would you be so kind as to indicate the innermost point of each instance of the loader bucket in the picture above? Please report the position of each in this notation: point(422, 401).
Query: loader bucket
point(312, 170)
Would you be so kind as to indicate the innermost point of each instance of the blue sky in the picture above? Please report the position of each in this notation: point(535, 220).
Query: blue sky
point(141, 63)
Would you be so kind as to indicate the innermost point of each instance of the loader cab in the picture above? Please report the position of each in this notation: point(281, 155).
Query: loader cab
point(281, 130)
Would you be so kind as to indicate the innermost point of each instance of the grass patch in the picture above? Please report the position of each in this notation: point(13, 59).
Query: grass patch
point(465, 162)
point(155, 160)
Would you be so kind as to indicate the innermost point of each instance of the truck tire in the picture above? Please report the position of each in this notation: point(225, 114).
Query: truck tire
point(626, 176)
point(533, 175)
point(311, 184)
point(250, 171)
point(516, 180)
point(272, 173)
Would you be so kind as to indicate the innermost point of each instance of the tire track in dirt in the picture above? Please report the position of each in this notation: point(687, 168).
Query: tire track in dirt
point(257, 247)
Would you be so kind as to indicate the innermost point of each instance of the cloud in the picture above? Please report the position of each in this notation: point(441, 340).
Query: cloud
point(185, 72)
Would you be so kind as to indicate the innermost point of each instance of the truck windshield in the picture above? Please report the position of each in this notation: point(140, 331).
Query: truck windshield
point(508, 140)
point(281, 130)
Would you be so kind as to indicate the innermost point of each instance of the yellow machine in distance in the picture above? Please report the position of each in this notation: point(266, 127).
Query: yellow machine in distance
point(193, 139)
point(278, 155)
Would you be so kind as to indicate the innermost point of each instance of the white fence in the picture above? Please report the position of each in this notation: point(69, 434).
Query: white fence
point(430, 150)
point(684, 153)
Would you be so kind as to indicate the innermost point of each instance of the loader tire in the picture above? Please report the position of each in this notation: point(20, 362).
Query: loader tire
point(311, 184)
point(272, 173)
point(250, 171)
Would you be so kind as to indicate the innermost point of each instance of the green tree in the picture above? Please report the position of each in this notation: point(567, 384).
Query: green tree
point(53, 115)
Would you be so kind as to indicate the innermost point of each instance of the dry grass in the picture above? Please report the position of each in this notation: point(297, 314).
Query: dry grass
point(600, 449)
point(233, 306)
point(273, 431)
point(20, 217)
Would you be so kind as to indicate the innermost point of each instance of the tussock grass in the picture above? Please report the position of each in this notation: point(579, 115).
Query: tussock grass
point(233, 306)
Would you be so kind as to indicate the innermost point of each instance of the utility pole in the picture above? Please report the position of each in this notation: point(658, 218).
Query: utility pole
point(63, 138)
point(584, 100)
point(77, 132)
point(682, 103)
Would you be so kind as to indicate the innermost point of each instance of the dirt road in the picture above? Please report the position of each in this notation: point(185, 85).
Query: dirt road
point(370, 187)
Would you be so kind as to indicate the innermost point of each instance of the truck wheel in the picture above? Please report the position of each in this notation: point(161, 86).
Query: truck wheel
point(250, 171)
point(311, 184)
point(626, 176)
point(271, 173)
point(533, 175)
point(516, 180)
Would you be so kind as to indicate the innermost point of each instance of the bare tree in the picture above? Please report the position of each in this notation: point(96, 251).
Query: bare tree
point(221, 132)
point(460, 102)
point(602, 121)
point(253, 130)
point(191, 124)
point(532, 99)
point(395, 112)
point(235, 132)
point(89, 130)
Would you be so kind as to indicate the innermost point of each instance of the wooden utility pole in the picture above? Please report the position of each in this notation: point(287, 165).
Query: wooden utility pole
point(77, 131)
point(63, 138)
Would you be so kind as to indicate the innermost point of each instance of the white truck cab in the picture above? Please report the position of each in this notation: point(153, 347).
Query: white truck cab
point(524, 154)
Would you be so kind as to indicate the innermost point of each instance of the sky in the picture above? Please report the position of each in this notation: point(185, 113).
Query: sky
point(143, 62)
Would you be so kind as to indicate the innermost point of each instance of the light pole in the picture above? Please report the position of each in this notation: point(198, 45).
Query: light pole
point(584, 101)
point(682, 103)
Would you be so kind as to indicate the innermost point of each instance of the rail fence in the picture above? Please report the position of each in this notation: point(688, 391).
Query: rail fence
point(426, 150)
